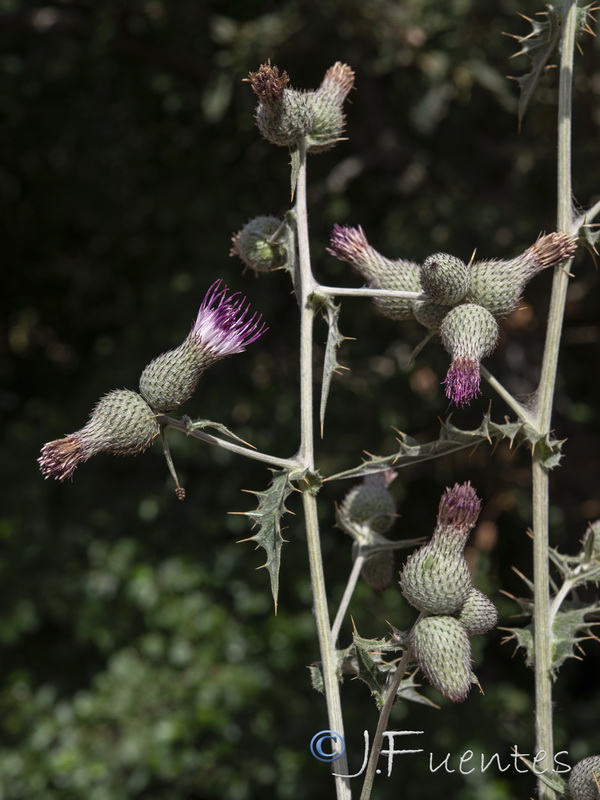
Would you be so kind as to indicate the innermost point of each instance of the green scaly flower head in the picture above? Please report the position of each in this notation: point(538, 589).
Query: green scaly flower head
point(436, 578)
point(260, 244)
point(225, 325)
point(121, 423)
point(285, 116)
point(442, 650)
point(478, 615)
point(584, 780)
point(445, 279)
point(469, 332)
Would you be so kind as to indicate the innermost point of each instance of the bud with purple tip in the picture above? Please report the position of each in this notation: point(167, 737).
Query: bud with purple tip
point(436, 578)
point(469, 332)
point(225, 325)
point(122, 423)
point(351, 245)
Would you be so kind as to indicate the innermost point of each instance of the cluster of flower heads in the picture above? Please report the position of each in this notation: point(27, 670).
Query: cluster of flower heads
point(123, 422)
point(464, 301)
point(436, 580)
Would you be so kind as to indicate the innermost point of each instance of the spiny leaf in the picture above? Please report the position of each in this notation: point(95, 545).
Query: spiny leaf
point(271, 507)
point(567, 626)
point(331, 312)
point(408, 691)
point(452, 439)
point(539, 45)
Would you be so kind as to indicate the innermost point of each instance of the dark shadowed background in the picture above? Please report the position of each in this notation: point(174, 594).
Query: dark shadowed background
point(140, 654)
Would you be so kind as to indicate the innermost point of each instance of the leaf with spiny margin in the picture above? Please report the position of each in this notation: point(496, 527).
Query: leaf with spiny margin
point(452, 439)
point(539, 45)
point(408, 691)
point(331, 312)
point(271, 507)
point(568, 623)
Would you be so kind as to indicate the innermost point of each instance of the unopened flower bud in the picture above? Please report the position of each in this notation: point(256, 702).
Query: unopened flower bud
point(584, 780)
point(478, 615)
point(445, 279)
point(469, 332)
point(351, 245)
point(284, 116)
point(224, 326)
point(436, 578)
point(378, 569)
point(442, 650)
point(429, 314)
point(256, 245)
point(121, 423)
point(498, 285)
point(366, 513)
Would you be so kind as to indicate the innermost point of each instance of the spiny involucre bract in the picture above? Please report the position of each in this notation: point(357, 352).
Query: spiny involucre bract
point(121, 423)
point(442, 650)
point(584, 780)
point(255, 244)
point(225, 325)
point(285, 116)
point(445, 279)
point(350, 245)
point(436, 578)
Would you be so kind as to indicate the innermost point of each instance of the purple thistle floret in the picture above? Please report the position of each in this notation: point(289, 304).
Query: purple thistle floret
point(224, 325)
point(462, 381)
point(459, 508)
point(347, 244)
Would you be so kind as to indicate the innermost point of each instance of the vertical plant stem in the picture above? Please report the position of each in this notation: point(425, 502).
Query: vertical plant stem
point(347, 597)
point(306, 457)
point(545, 396)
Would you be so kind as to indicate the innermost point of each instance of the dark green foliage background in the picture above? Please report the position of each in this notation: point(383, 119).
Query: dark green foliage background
point(141, 657)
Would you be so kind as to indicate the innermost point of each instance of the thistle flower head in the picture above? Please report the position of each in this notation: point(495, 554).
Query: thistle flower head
point(121, 423)
point(445, 279)
point(584, 780)
point(225, 325)
point(469, 332)
point(443, 652)
point(285, 116)
point(498, 285)
point(260, 244)
point(369, 507)
point(459, 508)
point(351, 245)
point(478, 615)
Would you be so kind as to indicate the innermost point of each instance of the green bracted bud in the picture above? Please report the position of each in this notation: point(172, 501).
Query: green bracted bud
point(429, 313)
point(584, 780)
point(478, 615)
point(256, 245)
point(366, 513)
point(498, 285)
point(170, 380)
point(121, 423)
point(469, 333)
point(351, 245)
point(370, 505)
point(284, 116)
point(442, 650)
point(445, 279)
point(436, 578)
point(378, 570)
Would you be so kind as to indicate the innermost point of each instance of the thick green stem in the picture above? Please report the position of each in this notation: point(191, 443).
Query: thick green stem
point(305, 288)
point(545, 396)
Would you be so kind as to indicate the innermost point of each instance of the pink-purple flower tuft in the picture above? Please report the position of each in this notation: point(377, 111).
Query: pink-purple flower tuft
point(224, 325)
point(462, 381)
point(348, 244)
point(459, 507)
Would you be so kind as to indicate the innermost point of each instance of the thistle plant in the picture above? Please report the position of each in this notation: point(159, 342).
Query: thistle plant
point(462, 303)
